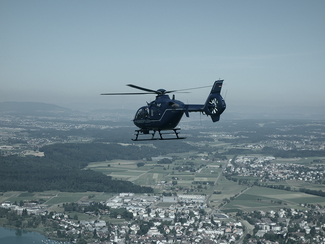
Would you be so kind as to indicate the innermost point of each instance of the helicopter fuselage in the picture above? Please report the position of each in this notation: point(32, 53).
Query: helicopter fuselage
point(161, 114)
point(164, 113)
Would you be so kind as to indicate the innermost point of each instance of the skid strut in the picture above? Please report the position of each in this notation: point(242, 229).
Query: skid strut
point(175, 131)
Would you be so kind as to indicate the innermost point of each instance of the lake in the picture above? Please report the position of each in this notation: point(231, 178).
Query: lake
point(19, 236)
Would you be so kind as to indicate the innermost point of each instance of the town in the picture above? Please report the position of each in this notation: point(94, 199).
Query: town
point(246, 182)
point(266, 171)
point(186, 219)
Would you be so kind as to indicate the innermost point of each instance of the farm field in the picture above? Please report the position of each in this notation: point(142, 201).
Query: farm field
point(54, 197)
point(294, 184)
point(303, 161)
point(261, 198)
point(152, 174)
point(243, 197)
point(196, 173)
point(21, 196)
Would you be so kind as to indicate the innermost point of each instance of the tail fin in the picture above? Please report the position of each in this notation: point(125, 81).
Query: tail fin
point(215, 104)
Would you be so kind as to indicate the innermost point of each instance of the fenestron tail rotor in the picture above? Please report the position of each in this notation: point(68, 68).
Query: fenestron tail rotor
point(213, 105)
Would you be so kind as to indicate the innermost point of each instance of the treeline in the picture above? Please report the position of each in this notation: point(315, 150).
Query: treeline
point(94, 207)
point(291, 153)
point(277, 152)
point(94, 152)
point(319, 193)
point(13, 219)
point(62, 169)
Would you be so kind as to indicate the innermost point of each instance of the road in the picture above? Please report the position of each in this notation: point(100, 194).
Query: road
point(215, 183)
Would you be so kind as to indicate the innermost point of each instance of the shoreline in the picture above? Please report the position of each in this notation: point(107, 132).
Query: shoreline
point(35, 230)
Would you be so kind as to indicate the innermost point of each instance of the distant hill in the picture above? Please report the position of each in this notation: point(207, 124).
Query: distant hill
point(32, 108)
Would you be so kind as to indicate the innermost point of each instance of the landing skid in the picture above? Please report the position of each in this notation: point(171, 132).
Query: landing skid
point(175, 131)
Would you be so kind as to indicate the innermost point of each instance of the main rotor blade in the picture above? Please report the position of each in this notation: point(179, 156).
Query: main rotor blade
point(142, 88)
point(130, 93)
point(194, 88)
point(149, 91)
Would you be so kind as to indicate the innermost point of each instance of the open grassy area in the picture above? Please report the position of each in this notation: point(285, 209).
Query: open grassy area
point(308, 161)
point(152, 173)
point(261, 198)
point(227, 188)
point(21, 196)
point(295, 184)
point(63, 197)
point(54, 197)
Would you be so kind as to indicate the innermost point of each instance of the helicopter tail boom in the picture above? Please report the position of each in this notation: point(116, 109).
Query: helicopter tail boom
point(214, 105)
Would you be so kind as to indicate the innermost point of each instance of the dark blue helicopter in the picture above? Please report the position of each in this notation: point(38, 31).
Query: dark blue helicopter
point(164, 114)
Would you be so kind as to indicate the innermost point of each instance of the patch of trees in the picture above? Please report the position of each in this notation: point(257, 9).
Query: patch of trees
point(24, 220)
point(312, 192)
point(165, 161)
point(291, 153)
point(62, 169)
point(144, 227)
point(94, 152)
point(185, 168)
point(94, 207)
point(122, 212)
point(3, 212)
point(280, 187)
point(274, 237)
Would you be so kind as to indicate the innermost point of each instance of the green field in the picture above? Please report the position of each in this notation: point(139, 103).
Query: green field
point(152, 173)
point(21, 196)
point(54, 198)
point(227, 188)
point(261, 198)
point(304, 161)
point(63, 197)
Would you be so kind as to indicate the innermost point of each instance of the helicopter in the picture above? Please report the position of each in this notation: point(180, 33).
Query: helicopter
point(164, 113)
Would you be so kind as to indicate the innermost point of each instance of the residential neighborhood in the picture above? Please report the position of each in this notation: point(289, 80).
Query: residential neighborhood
point(179, 221)
point(267, 170)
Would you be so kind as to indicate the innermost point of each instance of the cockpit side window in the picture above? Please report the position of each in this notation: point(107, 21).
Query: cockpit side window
point(153, 112)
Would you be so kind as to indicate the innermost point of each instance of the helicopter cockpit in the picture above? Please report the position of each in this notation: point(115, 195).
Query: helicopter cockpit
point(142, 113)
point(147, 113)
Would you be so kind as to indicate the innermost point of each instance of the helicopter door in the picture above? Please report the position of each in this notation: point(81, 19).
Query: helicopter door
point(154, 113)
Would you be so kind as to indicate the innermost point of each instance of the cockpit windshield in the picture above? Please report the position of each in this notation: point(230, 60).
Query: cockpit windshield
point(143, 113)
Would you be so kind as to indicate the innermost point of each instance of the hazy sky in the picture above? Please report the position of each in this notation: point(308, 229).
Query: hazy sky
point(270, 53)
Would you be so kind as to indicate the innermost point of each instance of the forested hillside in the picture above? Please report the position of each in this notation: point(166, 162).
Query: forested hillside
point(62, 169)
